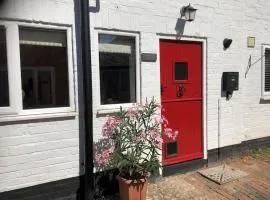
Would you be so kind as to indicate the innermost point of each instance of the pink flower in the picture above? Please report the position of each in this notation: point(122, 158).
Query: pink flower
point(103, 159)
point(161, 120)
point(110, 125)
point(132, 112)
point(156, 138)
point(141, 107)
point(170, 133)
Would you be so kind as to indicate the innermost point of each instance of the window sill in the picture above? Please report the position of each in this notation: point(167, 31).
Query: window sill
point(265, 97)
point(12, 118)
point(109, 109)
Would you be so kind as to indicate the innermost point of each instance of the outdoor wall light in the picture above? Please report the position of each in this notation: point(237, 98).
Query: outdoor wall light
point(189, 12)
point(227, 43)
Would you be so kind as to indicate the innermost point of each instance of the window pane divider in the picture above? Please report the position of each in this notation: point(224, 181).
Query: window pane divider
point(14, 73)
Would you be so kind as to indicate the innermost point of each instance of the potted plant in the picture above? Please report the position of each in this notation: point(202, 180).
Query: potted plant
point(134, 143)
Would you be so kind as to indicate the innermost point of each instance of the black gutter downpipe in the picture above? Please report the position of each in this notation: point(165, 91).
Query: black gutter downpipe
point(88, 109)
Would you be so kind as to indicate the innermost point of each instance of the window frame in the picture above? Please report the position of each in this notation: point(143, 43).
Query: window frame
point(264, 95)
point(12, 75)
point(15, 110)
point(107, 108)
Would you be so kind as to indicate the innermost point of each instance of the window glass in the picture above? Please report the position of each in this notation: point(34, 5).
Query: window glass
point(44, 68)
point(4, 88)
point(171, 149)
point(117, 69)
point(267, 71)
point(181, 71)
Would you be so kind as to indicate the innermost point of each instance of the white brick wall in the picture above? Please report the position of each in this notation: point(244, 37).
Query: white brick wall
point(34, 152)
point(241, 118)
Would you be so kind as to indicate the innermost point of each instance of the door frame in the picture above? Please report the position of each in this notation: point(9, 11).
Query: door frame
point(203, 40)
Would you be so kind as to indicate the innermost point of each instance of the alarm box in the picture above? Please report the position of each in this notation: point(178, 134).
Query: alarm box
point(230, 81)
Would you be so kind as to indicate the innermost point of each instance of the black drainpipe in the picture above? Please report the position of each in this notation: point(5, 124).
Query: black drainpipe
point(88, 109)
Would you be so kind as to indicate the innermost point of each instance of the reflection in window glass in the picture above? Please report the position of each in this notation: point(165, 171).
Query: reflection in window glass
point(44, 68)
point(4, 90)
point(117, 69)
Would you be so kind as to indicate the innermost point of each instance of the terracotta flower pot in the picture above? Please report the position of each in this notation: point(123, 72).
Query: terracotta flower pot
point(132, 190)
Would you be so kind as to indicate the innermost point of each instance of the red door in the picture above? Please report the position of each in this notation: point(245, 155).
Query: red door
point(181, 98)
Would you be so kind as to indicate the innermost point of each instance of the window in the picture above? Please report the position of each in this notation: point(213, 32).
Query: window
point(181, 71)
point(44, 75)
point(266, 72)
point(171, 149)
point(117, 65)
point(36, 71)
point(4, 89)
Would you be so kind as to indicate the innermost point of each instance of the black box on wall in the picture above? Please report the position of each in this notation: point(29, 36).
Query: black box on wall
point(230, 81)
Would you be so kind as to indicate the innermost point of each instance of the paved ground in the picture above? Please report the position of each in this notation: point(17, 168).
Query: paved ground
point(256, 185)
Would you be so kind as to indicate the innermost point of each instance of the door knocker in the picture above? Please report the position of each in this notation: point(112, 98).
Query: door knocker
point(181, 91)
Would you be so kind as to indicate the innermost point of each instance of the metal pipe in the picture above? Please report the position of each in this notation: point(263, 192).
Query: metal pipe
point(87, 91)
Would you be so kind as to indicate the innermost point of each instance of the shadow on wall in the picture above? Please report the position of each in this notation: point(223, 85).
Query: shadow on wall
point(222, 93)
point(250, 64)
point(104, 177)
point(1, 2)
point(94, 9)
point(179, 27)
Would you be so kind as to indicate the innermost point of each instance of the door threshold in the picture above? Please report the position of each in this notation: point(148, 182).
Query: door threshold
point(183, 167)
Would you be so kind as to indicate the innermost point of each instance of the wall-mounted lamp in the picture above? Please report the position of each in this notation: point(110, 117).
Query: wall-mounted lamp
point(189, 12)
point(227, 43)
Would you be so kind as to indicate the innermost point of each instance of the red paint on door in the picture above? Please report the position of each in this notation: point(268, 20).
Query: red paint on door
point(181, 98)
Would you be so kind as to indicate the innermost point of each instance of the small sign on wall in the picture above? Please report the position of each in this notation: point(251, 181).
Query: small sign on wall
point(250, 42)
point(149, 57)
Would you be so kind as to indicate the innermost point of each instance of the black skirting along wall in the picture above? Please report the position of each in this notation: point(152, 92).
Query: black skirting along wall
point(217, 155)
point(66, 189)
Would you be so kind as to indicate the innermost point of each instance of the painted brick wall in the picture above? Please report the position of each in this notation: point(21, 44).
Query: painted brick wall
point(243, 117)
point(48, 150)
point(44, 150)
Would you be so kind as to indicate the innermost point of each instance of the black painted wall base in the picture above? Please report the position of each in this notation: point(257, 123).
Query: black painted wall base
point(183, 167)
point(217, 155)
point(66, 189)
point(106, 183)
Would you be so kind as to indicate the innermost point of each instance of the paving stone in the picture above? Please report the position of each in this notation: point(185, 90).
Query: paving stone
point(255, 185)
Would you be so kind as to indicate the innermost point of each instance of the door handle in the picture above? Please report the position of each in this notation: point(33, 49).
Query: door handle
point(181, 91)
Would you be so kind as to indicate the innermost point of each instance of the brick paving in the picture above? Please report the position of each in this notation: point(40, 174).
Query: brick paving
point(256, 185)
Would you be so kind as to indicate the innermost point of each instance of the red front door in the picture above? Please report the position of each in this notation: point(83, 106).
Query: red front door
point(181, 98)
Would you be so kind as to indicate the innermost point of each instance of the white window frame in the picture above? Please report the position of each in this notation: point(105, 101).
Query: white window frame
point(102, 109)
point(15, 111)
point(13, 75)
point(264, 95)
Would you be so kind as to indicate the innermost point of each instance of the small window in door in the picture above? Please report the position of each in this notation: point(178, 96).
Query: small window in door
point(181, 71)
point(171, 149)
